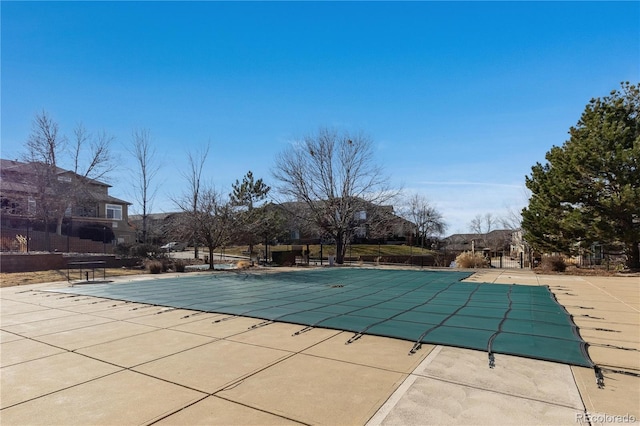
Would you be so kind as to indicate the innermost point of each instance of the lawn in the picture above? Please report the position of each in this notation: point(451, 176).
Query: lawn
point(36, 277)
point(330, 250)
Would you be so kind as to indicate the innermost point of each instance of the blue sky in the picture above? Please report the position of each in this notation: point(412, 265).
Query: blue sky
point(460, 98)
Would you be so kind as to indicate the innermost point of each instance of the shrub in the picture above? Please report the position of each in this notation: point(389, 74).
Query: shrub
point(179, 266)
point(166, 263)
point(123, 249)
point(243, 264)
point(155, 266)
point(96, 232)
point(145, 251)
point(471, 260)
point(554, 263)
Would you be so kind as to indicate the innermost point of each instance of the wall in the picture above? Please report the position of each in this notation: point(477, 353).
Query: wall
point(30, 262)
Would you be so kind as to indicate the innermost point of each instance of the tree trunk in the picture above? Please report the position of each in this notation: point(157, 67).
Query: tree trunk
point(144, 228)
point(211, 265)
point(341, 249)
point(633, 259)
point(59, 225)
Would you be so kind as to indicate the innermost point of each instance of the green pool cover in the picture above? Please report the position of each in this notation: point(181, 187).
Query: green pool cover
point(420, 306)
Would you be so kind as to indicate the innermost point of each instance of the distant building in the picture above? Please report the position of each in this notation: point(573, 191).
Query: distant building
point(507, 242)
point(159, 226)
point(77, 207)
point(371, 224)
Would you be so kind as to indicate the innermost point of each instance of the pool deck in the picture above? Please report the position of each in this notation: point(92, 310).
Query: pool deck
point(84, 360)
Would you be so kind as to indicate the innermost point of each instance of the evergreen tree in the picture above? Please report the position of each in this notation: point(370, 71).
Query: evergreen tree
point(588, 191)
point(245, 196)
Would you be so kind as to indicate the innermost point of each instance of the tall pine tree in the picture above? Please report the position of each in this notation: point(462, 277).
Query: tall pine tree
point(588, 191)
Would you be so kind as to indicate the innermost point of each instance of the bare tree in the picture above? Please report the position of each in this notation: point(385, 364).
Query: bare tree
point(334, 176)
point(427, 219)
point(144, 175)
point(44, 144)
point(57, 190)
point(483, 227)
point(512, 220)
point(189, 202)
point(99, 163)
point(214, 221)
point(483, 224)
point(43, 148)
point(209, 221)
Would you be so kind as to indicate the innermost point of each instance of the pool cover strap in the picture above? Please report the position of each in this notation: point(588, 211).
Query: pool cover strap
point(418, 344)
point(492, 358)
point(364, 330)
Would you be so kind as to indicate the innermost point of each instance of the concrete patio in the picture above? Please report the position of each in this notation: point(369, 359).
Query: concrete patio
point(83, 360)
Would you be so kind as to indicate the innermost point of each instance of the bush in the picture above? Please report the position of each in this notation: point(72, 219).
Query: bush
point(554, 263)
point(96, 232)
point(179, 266)
point(243, 264)
point(155, 266)
point(145, 251)
point(471, 260)
point(123, 249)
point(166, 263)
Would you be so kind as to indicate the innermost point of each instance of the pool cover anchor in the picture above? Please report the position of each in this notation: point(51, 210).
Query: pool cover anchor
point(492, 360)
point(353, 338)
point(599, 377)
point(416, 347)
point(304, 330)
point(260, 324)
point(224, 319)
point(188, 316)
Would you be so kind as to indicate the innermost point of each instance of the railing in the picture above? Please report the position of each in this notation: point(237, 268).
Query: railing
point(86, 267)
point(502, 261)
point(28, 240)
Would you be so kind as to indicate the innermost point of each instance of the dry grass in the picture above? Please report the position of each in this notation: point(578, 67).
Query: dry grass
point(471, 260)
point(243, 264)
point(24, 278)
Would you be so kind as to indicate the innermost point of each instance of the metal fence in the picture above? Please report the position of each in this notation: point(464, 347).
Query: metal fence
point(18, 235)
point(503, 261)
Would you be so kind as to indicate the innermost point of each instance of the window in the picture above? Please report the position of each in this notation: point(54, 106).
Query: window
point(114, 212)
point(31, 205)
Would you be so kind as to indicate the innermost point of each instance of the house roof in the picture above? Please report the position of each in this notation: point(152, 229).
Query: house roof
point(14, 178)
point(153, 216)
point(17, 167)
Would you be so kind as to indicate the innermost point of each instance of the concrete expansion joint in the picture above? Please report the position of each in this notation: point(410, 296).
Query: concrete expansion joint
point(260, 409)
point(480, 388)
point(61, 389)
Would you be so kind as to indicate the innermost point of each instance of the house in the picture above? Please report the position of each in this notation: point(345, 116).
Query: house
point(159, 226)
point(507, 242)
point(64, 204)
point(370, 223)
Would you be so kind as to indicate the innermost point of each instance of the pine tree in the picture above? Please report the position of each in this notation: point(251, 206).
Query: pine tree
point(588, 191)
